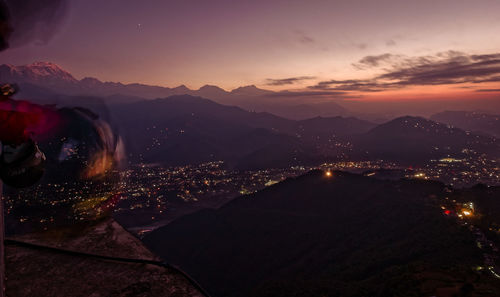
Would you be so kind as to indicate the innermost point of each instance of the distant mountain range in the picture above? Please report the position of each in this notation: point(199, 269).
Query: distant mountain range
point(53, 79)
point(413, 140)
point(471, 121)
point(185, 129)
point(344, 235)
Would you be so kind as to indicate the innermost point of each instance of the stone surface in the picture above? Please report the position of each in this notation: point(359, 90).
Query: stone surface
point(34, 272)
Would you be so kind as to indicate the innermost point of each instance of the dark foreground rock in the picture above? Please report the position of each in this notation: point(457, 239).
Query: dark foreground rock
point(41, 272)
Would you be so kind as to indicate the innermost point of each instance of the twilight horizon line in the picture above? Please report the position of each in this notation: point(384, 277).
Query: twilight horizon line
point(468, 74)
point(388, 50)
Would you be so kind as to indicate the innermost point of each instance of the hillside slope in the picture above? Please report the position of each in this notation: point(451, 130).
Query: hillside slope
point(346, 235)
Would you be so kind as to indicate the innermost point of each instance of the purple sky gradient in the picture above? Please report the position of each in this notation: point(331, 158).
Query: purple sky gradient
point(234, 43)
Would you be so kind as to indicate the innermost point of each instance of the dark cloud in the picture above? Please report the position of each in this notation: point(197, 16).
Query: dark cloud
point(287, 81)
point(488, 90)
point(484, 58)
point(30, 21)
point(400, 61)
point(373, 61)
point(454, 68)
point(347, 85)
point(309, 93)
point(445, 68)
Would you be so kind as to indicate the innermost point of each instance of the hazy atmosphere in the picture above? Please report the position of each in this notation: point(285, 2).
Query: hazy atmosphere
point(249, 148)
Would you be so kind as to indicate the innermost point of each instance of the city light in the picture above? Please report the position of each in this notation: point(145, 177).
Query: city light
point(419, 175)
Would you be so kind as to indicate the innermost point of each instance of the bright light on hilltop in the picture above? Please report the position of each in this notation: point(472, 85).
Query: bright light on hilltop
point(466, 213)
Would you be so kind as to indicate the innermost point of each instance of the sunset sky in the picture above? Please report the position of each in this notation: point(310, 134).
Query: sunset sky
point(388, 49)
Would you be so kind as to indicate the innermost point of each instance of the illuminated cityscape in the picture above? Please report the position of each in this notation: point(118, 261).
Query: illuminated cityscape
point(154, 195)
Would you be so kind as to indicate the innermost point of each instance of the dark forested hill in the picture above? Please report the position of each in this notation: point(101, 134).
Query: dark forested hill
point(415, 139)
point(185, 129)
point(345, 235)
point(471, 121)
